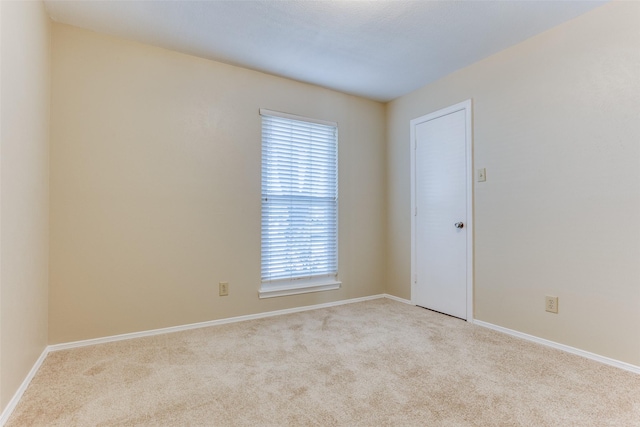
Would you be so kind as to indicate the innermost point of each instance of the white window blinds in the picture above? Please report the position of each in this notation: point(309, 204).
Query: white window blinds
point(299, 198)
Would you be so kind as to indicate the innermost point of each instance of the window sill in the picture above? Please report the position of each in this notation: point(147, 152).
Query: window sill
point(289, 289)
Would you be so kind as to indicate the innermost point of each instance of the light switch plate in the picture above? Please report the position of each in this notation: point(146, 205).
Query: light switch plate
point(482, 175)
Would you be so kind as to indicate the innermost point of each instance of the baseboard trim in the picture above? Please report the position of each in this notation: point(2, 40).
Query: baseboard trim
point(598, 358)
point(152, 332)
point(395, 298)
point(8, 410)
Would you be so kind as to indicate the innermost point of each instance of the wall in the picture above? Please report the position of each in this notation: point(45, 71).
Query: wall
point(24, 208)
point(556, 125)
point(155, 187)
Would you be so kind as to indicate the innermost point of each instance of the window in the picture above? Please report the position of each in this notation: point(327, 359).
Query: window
point(299, 205)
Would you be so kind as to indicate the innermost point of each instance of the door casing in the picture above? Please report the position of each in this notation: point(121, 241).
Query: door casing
point(466, 107)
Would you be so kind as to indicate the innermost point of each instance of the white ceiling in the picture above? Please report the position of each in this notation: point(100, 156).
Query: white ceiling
point(376, 49)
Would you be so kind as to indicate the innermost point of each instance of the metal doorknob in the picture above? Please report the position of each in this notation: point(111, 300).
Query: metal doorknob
point(459, 225)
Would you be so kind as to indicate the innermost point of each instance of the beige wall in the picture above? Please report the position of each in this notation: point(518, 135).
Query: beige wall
point(155, 187)
point(557, 125)
point(24, 188)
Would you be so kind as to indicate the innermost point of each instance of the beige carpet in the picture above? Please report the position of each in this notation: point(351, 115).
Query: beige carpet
point(376, 363)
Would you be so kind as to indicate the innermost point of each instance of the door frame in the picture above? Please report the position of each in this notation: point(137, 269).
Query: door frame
point(466, 107)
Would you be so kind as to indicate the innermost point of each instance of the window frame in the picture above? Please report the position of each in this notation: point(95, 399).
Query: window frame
point(292, 285)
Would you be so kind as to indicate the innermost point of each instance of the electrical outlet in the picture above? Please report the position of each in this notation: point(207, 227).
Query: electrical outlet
point(551, 304)
point(223, 288)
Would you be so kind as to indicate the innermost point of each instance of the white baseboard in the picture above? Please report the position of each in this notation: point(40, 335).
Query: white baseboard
point(8, 410)
point(395, 298)
point(94, 341)
point(598, 358)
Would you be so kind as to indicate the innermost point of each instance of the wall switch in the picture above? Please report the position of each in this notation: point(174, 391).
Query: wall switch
point(482, 175)
point(224, 288)
point(551, 304)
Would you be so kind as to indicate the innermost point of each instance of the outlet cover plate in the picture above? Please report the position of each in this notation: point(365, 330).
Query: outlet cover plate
point(551, 304)
point(223, 288)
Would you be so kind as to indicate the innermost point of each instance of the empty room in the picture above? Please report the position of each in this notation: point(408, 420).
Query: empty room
point(328, 213)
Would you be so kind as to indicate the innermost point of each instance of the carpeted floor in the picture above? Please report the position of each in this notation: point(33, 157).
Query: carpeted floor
point(376, 363)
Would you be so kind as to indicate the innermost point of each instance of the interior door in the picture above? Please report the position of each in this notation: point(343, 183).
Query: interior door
point(441, 213)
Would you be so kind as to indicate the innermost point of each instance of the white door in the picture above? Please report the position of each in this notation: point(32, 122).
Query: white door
point(442, 215)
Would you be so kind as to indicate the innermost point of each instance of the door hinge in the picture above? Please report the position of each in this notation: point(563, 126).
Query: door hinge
point(415, 213)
